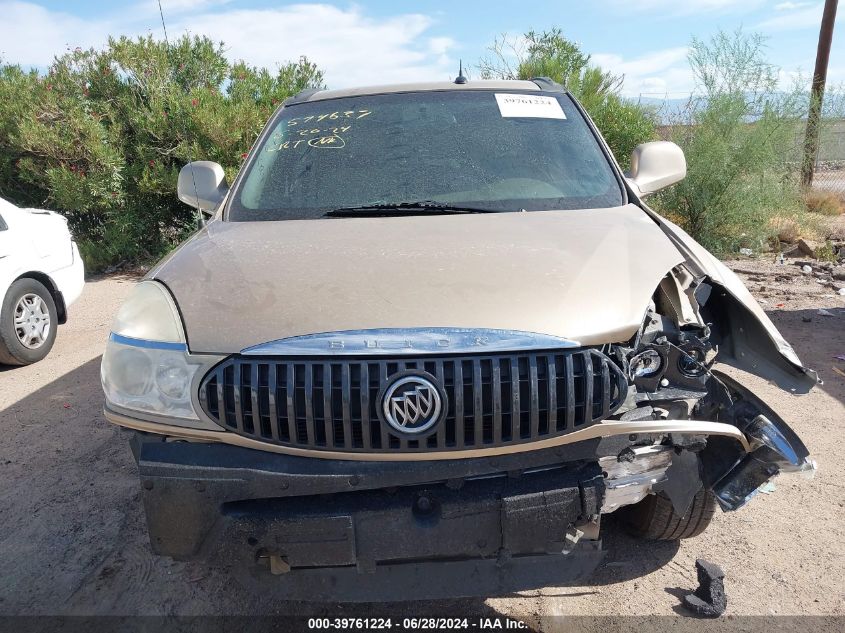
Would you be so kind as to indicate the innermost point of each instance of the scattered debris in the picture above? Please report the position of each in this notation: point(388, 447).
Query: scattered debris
point(709, 600)
point(779, 305)
point(839, 371)
point(767, 488)
point(842, 291)
point(122, 265)
point(746, 251)
point(840, 357)
point(806, 269)
point(627, 455)
point(823, 312)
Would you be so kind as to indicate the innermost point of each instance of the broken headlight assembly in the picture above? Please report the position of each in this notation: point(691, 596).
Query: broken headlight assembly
point(677, 373)
point(645, 363)
point(146, 366)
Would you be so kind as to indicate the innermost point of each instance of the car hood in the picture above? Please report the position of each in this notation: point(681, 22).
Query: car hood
point(583, 275)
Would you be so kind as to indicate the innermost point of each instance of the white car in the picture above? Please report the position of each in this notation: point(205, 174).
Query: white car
point(41, 274)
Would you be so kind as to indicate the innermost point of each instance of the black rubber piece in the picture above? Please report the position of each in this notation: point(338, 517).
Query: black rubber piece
point(655, 518)
point(12, 352)
point(709, 600)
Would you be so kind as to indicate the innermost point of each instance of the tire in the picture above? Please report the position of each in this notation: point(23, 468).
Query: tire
point(654, 517)
point(24, 295)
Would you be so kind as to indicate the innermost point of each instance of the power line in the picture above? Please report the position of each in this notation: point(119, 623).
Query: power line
point(163, 26)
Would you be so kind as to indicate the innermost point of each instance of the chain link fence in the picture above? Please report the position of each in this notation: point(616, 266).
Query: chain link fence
point(673, 109)
point(829, 174)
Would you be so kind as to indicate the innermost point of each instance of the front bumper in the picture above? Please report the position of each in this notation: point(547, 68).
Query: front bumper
point(353, 531)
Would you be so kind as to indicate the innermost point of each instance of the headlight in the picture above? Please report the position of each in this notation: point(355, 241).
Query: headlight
point(145, 366)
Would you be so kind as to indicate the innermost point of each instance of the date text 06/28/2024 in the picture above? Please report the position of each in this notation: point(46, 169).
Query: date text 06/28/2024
point(414, 624)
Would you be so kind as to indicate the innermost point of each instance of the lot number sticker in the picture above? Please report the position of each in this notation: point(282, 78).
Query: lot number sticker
point(538, 107)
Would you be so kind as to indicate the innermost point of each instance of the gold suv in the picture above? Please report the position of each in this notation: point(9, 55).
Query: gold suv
point(429, 335)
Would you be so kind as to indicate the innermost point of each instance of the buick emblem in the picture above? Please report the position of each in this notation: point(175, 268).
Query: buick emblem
point(412, 404)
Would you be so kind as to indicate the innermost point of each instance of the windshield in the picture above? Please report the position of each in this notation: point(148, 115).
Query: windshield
point(487, 150)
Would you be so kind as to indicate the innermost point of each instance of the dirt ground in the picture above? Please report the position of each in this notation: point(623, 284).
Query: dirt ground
point(73, 539)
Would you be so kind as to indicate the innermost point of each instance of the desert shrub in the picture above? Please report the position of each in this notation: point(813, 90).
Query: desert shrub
point(784, 229)
point(824, 203)
point(826, 252)
point(102, 135)
point(738, 142)
point(623, 123)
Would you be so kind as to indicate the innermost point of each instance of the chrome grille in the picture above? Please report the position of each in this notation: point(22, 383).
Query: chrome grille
point(492, 400)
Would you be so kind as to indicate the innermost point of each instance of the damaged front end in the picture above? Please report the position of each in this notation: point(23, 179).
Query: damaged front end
point(663, 434)
point(693, 329)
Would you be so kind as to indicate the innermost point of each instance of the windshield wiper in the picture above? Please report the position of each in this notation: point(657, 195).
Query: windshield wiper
point(405, 208)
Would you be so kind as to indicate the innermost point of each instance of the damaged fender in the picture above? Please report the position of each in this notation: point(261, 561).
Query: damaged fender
point(751, 342)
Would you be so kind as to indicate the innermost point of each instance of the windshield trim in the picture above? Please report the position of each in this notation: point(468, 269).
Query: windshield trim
point(273, 120)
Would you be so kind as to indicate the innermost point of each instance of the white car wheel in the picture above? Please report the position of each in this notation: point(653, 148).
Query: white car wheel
point(27, 323)
point(32, 321)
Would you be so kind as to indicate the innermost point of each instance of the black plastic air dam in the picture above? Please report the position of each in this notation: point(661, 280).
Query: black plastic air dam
point(457, 537)
point(434, 580)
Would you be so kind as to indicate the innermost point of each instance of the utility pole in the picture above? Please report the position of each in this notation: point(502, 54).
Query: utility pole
point(811, 141)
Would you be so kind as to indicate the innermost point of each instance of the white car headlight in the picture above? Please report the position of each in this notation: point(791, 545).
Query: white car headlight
point(146, 365)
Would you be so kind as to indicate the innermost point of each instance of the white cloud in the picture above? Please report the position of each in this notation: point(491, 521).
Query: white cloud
point(803, 15)
point(439, 45)
point(351, 47)
point(656, 73)
point(791, 6)
point(674, 7)
point(31, 35)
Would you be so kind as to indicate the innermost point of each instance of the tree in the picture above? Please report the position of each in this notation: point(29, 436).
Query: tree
point(740, 143)
point(103, 134)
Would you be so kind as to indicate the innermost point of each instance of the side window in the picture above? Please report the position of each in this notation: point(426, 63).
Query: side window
point(3, 225)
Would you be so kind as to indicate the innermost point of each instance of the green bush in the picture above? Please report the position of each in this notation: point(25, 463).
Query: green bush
point(624, 124)
point(101, 136)
point(738, 141)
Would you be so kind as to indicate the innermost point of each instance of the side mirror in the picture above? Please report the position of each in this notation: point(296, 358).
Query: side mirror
point(655, 166)
point(202, 184)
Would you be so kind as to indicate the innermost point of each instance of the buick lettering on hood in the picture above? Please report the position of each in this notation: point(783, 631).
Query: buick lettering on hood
point(426, 339)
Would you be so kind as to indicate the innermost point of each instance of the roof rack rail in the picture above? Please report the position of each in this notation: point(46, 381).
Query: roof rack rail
point(303, 95)
point(548, 84)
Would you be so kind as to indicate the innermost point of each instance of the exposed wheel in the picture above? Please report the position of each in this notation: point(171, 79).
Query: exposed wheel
point(655, 518)
point(28, 323)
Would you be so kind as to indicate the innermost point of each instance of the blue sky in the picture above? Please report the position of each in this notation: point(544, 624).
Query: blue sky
point(379, 41)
